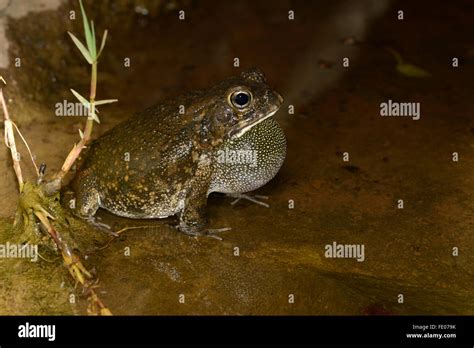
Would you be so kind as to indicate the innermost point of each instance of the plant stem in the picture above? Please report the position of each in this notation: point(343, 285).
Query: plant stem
point(10, 141)
point(76, 150)
point(90, 121)
point(75, 266)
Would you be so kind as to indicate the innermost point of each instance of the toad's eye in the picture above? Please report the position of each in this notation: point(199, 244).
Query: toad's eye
point(240, 99)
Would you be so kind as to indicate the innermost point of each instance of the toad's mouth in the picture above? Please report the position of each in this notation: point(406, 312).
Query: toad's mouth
point(237, 132)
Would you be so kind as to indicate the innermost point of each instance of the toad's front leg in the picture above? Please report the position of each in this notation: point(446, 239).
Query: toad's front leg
point(193, 218)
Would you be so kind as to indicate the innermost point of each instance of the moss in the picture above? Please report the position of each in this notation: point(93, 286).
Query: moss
point(44, 286)
point(31, 288)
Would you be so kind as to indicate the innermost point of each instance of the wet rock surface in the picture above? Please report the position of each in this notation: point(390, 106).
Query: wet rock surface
point(281, 251)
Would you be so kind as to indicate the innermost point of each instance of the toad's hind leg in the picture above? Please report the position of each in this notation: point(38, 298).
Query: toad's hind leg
point(87, 204)
point(87, 197)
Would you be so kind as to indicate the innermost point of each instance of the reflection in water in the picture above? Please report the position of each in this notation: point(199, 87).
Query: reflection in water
point(333, 36)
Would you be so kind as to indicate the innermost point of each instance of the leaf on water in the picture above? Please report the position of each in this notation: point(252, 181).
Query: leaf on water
point(411, 70)
point(81, 99)
point(407, 69)
point(395, 54)
point(81, 48)
point(105, 101)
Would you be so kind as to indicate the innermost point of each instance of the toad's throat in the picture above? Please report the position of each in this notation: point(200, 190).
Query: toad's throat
point(239, 131)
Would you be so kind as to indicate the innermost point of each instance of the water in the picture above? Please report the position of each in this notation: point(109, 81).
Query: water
point(273, 255)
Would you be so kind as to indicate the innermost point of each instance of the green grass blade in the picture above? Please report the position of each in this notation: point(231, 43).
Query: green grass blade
point(102, 45)
point(105, 101)
point(93, 43)
point(87, 29)
point(81, 48)
point(95, 117)
point(83, 100)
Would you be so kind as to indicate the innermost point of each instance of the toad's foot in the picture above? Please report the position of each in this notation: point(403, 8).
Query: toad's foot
point(92, 220)
point(208, 232)
point(253, 199)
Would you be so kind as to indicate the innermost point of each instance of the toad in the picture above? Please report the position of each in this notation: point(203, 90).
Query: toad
point(167, 159)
